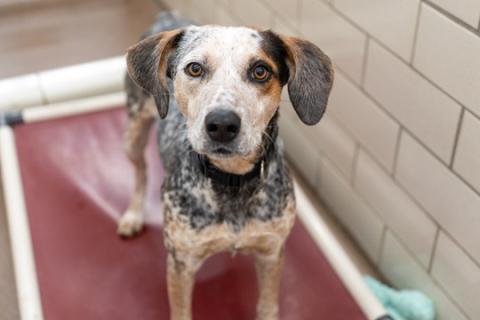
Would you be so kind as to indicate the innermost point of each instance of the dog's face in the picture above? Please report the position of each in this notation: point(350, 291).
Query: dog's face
point(228, 82)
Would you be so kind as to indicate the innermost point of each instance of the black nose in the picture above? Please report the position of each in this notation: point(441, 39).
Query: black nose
point(222, 125)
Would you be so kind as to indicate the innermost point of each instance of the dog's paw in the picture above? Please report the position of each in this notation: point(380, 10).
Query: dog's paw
point(130, 224)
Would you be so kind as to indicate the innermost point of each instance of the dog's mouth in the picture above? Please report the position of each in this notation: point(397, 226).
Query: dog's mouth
point(222, 151)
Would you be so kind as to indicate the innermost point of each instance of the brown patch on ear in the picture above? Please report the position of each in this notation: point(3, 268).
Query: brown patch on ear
point(311, 79)
point(147, 64)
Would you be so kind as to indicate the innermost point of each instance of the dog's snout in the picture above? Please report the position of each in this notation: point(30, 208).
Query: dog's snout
point(222, 125)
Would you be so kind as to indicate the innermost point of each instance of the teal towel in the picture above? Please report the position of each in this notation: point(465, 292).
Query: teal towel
point(404, 304)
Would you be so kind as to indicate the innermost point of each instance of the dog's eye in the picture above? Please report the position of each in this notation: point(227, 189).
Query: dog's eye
point(260, 73)
point(194, 69)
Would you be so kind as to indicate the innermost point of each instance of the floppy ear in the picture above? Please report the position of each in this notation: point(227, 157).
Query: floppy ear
point(147, 64)
point(311, 79)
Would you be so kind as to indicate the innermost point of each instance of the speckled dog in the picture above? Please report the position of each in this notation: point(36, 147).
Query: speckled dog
point(227, 186)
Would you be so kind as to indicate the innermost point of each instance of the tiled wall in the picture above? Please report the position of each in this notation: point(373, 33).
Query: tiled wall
point(397, 158)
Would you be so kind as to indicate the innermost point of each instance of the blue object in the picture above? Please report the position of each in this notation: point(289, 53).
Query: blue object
point(402, 304)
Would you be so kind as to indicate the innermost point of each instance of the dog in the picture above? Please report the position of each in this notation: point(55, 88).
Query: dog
point(217, 92)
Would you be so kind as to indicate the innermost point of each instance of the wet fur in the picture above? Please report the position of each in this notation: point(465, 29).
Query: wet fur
point(203, 217)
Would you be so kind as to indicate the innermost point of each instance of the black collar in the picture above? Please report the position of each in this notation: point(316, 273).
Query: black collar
point(224, 178)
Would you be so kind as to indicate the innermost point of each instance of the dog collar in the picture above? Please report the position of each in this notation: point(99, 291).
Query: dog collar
point(225, 178)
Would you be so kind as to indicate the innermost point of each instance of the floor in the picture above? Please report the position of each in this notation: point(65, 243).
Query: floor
point(42, 34)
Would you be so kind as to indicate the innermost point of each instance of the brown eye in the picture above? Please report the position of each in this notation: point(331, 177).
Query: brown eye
point(260, 73)
point(194, 69)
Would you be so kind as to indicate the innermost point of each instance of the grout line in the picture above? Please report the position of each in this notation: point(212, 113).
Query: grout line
point(377, 214)
point(355, 25)
point(415, 33)
point(381, 247)
point(434, 250)
point(413, 136)
point(451, 17)
point(438, 286)
point(416, 202)
point(353, 170)
point(319, 201)
point(276, 16)
point(396, 152)
point(365, 61)
point(457, 137)
point(420, 73)
point(380, 215)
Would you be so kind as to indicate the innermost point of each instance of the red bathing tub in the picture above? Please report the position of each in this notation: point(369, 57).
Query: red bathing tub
point(76, 182)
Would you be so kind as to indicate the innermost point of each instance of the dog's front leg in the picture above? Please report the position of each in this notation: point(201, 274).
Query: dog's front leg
point(135, 141)
point(180, 282)
point(269, 270)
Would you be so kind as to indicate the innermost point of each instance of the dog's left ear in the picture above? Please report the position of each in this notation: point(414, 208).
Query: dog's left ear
point(311, 79)
point(147, 64)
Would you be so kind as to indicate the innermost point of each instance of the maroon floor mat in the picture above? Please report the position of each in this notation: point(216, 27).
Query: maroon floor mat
point(77, 182)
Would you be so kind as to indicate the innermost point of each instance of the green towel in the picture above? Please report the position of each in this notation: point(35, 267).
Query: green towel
point(404, 304)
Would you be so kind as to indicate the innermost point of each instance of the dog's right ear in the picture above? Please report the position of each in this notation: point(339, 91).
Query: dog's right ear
point(147, 64)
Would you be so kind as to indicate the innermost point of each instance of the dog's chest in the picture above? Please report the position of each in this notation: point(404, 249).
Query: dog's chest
point(254, 235)
point(200, 205)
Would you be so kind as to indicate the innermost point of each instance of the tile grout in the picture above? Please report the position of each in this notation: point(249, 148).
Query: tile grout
point(353, 169)
point(457, 138)
point(391, 51)
point(418, 204)
point(434, 249)
point(382, 245)
point(402, 126)
point(451, 17)
point(397, 151)
point(415, 33)
point(365, 61)
point(433, 279)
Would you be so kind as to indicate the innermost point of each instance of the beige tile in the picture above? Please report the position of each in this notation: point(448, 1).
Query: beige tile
point(365, 227)
point(20, 92)
point(467, 158)
point(333, 142)
point(448, 54)
point(401, 269)
point(286, 110)
point(344, 43)
point(252, 13)
point(397, 210)
point(224, 3)
point(466, 10)
point(299, 151)
point(182, 6)
point(279, 26)
point(287, 10)
point(204, 12)
point(458, 275)
point(211, 12)
point(223, 17)
point(370, 125)
point(452, 204)
point(390, 21)
point(412, 100)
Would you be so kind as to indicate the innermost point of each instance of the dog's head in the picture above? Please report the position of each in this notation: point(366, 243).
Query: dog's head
point(228, 82)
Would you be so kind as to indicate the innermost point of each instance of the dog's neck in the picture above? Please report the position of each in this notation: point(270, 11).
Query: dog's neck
point(242, 165)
